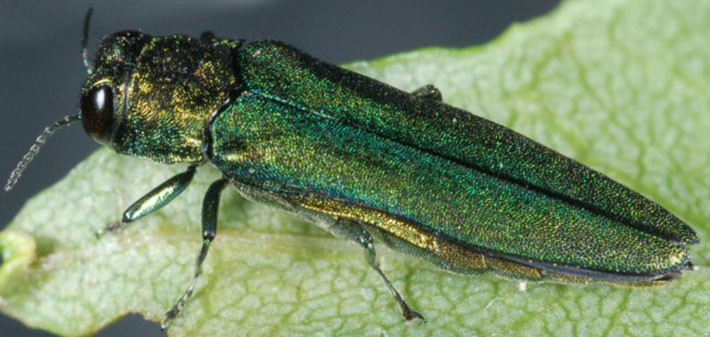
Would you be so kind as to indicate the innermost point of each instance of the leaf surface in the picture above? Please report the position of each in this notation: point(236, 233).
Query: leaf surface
point(621, 86)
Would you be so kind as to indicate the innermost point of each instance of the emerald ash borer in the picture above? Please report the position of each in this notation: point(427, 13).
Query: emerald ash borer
point(364, 160)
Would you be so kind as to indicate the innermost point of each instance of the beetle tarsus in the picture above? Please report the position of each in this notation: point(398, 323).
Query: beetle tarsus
point(407, 312)
point(177, 308)
point(111, 227)
point(355, 232)
point(210, 209)
point(411, 315)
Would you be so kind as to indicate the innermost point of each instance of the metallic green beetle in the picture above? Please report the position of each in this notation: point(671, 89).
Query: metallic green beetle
point(362, 160)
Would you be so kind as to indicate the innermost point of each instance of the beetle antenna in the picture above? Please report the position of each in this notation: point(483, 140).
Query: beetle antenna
point(85, 40)
point(34, 149)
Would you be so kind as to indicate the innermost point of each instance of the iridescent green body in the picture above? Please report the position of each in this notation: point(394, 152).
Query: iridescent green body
point(361, 158)
point(290, 129)
point(305, 129)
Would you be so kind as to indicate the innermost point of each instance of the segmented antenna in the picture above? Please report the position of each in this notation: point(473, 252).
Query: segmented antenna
point(34, 149)
point(85, 40)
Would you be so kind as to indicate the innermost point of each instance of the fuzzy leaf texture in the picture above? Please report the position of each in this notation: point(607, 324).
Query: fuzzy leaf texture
point(621, 86)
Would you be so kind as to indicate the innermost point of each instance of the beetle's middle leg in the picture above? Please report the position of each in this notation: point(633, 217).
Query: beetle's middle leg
point(210, 209)
point(154, 200)
point(355, 232)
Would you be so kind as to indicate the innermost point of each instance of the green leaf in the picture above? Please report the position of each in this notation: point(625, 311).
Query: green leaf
point(619, 85)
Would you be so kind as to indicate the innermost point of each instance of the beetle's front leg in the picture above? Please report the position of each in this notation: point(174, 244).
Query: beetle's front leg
point(354, 231)
point(154, 200)
point(210, 209)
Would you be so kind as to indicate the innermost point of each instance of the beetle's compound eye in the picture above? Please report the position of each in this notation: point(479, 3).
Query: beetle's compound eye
point(97, 112)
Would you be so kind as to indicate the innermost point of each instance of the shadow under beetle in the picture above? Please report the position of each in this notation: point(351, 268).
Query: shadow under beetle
point(363, 159)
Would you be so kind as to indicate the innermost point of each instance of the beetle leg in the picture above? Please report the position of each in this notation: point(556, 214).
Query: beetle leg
point(210, 209)
point(354, 231)
point(154, 200)
point(428, 91)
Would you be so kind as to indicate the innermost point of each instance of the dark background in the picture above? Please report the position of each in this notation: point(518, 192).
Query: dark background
point(41, 69)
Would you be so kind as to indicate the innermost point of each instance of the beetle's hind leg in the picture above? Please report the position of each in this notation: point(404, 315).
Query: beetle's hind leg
point(428, 91)
point(354, 231)
point(153, 200)
point(210, 208)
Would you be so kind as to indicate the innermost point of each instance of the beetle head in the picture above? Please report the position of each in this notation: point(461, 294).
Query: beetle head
point(152, 96)
point(103, 95)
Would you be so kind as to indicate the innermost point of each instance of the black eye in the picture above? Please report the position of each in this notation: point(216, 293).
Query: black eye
point(97, 112)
